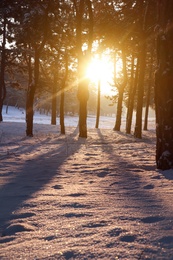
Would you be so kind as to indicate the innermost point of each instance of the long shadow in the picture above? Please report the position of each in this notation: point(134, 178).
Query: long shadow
point(36, 172)
point(131, 180)
point(142, 203)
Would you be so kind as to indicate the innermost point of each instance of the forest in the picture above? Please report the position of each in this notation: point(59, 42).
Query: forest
point(65, 55)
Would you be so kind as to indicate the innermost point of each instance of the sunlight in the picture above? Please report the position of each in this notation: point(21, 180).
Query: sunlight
point(103, 70)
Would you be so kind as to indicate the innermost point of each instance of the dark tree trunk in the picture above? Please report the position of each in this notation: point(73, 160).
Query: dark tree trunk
point(98, 106)
point(29, 109)
point(2, 69)
point(34, 83)
point(131, 97)
point(30, 96)
point(62, 112)
point(63, 95)
point(119, 110)
point(54, 101)
point(83, 95)
point(148, 94)
point(140, 89)
point(120, 95)
point(143, 19)
point(164, 87)
point(83, 59)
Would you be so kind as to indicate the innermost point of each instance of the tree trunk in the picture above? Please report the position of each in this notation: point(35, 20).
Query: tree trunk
point(164, 87)
point(83, 95)
point(120, 96)
point(54, 99)
point(30, 96)
point(29, 109)
point(143, 19)
point(63, 95)
point(62, 112)
point(83, 59)
point(148, 94)
point(131, 97)
point(140, 89)
point(2, 70)
point(119, 110)
point(98, 106)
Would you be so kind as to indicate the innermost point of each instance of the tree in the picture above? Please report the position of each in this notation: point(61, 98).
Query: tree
point(149, 86)
point(3, 63)
point(98, 105)
point(164, 86)
point(83, 58)
point(142, 64)
point(121, 88)
point(131, 94)
point(62, 89)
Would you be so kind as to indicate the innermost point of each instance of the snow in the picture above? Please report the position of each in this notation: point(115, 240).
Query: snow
point(64, 197)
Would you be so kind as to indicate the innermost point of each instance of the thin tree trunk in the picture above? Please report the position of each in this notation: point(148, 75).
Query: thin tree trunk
point(54, 100)
point(98, 106)
point(83, 95)
point(140, 90)
point(148, 95)
point(2, 70)
point(120, 96)
point(30, 97)
point(32, 86)
point(63, 95)
point(142, 65)
point(119, 110)
point(131, 96)
point(62, 112)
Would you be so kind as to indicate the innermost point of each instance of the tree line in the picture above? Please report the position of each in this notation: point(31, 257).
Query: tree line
point(51, 43)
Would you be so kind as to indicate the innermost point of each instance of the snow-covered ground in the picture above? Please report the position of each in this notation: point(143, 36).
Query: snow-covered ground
point(64, 197)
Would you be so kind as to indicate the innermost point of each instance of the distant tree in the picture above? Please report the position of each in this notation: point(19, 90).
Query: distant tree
point(131, 94)
point(98, 105)
point(62, 89)
point(121, 88)
point(142, 65)
point(164, 85)
point(149, 87)
point(146, 23)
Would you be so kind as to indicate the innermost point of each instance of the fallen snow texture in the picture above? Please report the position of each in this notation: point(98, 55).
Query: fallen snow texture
point(63, 197)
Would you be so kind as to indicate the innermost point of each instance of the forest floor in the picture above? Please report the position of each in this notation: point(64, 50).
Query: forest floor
point(64, 197)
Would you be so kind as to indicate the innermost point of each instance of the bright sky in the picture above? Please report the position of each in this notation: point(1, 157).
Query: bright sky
point(102, 69)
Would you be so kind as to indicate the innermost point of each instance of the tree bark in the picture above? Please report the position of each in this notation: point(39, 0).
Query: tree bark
point(164, 87)
point(54, 100)
point(2, 70)
point(38, 47)
point(148, 94)
point(142, 64)
point(63, 95)
point(30, 96)
point(120, 95)
point(98, 106)
point(83, 95)
point(131, 96)
point(140, 89)
point(83, 59)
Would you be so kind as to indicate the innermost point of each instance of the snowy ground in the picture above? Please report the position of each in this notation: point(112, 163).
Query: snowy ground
point(63, 197)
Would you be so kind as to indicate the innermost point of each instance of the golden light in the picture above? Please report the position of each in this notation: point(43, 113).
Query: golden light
point(102, 70)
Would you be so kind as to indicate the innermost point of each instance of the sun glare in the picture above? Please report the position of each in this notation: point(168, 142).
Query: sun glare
point(101, 70)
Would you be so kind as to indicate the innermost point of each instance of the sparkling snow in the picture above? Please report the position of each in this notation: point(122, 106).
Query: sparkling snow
point(64, 197)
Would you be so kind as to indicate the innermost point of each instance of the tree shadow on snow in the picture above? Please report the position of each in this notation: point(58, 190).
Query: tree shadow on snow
point(33, 175)
point(131, 178)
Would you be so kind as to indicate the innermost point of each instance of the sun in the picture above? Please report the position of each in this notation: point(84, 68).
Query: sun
point(101, 69)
